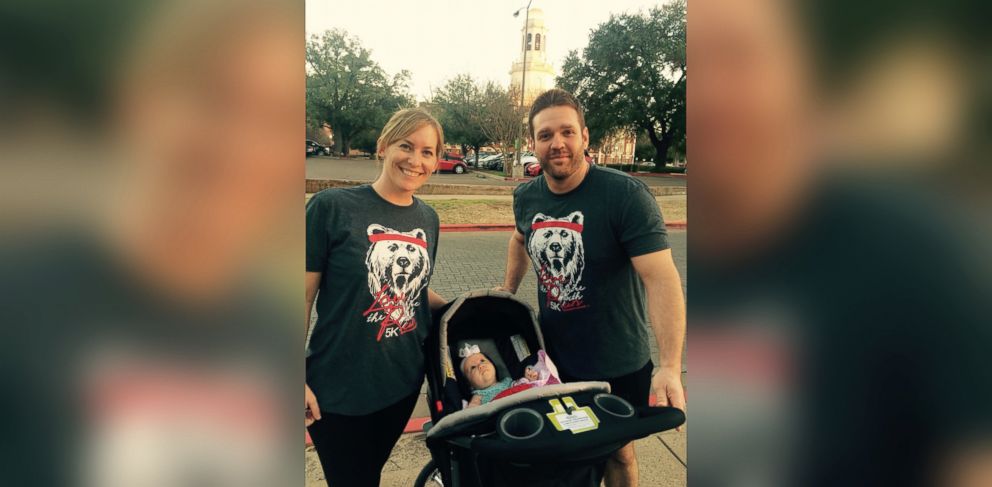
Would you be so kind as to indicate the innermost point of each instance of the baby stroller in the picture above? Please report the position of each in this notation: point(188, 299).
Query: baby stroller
point(555, 435)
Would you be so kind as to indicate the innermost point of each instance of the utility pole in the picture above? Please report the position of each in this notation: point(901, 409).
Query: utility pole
point(517, 170)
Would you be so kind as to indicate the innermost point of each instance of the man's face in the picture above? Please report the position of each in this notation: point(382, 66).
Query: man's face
point(479, 371)
point(559, 141)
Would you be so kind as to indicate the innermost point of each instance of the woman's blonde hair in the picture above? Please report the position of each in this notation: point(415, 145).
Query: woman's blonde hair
point(406, 122)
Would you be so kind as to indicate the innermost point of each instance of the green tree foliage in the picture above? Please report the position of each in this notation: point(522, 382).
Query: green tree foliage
point(456, 106)
point(632, 76)
point(350, 91)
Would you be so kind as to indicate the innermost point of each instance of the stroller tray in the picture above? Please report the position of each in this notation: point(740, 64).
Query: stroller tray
point(553, 424)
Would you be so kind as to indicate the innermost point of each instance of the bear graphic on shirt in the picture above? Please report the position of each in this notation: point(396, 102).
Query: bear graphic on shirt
point(398, 267)
point(556, 250)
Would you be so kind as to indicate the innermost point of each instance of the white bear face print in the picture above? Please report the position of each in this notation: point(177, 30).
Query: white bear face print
point(556, 249)
point(398, 267)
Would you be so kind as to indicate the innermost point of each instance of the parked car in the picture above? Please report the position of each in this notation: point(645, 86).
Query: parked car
point(495, 162)
point(315, 149)
point(526, 159)
point(453, 163)
point(533, 169)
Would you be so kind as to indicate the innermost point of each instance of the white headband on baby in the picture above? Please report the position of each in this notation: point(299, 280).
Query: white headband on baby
point(465, 352)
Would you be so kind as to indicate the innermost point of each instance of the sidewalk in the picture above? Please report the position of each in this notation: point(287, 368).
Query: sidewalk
point(661, 461)
point(474, 260)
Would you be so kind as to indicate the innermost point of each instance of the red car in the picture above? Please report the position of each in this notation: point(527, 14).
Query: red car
point(533, 169)
point(453, 163)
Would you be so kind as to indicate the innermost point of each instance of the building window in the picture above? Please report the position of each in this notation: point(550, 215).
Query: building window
point(528, 40)
point(537, 43)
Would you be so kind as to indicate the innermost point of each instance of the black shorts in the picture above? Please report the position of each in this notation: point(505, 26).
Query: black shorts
point(635, 387)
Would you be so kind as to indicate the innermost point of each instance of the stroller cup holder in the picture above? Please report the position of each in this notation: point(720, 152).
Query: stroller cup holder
point(614, 405)
point(520, 424)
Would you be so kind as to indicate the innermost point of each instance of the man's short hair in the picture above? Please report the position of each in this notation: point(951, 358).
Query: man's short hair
point(555, 97)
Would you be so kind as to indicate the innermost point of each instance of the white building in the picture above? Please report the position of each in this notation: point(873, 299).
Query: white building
point(535, 73)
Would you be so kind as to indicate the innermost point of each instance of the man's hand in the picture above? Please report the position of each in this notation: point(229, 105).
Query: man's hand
point(504, 289)
point(667, 385)
point(313, 410)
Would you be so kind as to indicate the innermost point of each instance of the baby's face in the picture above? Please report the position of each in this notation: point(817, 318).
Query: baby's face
point(479, 371)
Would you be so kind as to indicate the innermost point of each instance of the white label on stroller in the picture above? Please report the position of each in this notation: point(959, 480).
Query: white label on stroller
point(520, 346)
point(577, 422)
point(575, 419)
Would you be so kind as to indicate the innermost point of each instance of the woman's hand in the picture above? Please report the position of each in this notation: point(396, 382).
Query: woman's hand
point(313, 410)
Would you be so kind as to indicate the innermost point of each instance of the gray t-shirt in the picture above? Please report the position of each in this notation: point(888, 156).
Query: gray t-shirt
point(372, 309)
point(592, 302)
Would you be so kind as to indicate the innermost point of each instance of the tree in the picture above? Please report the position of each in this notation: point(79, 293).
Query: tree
point(632, 76)
point(501, 119)
point(348, 90)
point(456, 106)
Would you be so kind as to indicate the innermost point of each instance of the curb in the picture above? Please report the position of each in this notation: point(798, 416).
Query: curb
point(508, 227)
point(416, 425)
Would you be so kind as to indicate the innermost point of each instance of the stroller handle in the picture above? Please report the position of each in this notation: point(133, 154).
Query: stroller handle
point(586, 445)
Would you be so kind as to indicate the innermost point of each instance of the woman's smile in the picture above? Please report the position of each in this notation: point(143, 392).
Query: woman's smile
point(413, 173)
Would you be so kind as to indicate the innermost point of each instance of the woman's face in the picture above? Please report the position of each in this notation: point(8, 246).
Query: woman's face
point(408, 162)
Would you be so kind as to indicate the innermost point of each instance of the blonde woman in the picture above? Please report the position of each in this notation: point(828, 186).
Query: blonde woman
point(370, 254)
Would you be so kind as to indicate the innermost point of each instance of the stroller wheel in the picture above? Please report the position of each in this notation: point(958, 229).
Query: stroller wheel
point(429, 476)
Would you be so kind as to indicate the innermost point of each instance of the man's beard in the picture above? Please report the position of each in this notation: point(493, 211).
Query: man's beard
point(561, 173)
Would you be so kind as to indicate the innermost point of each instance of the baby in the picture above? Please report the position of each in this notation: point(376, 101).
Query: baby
point(481, 375)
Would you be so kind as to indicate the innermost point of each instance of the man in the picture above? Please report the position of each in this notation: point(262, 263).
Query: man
point(597, 241)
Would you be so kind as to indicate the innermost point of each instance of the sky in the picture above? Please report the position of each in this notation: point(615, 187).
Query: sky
point(438, 39)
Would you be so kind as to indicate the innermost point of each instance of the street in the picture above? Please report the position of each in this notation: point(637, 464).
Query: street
point(367, 170)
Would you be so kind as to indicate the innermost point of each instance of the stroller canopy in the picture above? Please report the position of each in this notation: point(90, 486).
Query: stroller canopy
point(494, 316)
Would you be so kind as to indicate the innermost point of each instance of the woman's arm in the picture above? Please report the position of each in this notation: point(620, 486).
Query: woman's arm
point(312, 285)
point(309, 399)
point(435, 300)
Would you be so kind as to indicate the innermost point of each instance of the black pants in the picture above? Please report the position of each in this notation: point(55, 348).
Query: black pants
point(353, 449)
point(635, 387)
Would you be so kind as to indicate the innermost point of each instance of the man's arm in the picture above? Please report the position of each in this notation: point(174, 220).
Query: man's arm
point(666, 309)
point(435, 300)
point(516, 262)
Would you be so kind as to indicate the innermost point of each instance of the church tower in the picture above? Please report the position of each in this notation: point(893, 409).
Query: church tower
point(532, 69)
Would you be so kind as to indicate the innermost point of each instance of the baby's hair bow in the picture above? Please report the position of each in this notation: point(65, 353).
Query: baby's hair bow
point(468, 350)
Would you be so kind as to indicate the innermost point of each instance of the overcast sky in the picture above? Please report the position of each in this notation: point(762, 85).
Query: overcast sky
point(438, 39)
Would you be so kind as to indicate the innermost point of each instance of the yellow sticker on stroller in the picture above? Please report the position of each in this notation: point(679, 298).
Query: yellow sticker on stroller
point(572, 417)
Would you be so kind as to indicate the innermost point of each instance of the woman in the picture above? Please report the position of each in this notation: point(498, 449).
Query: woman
point(370, 253)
